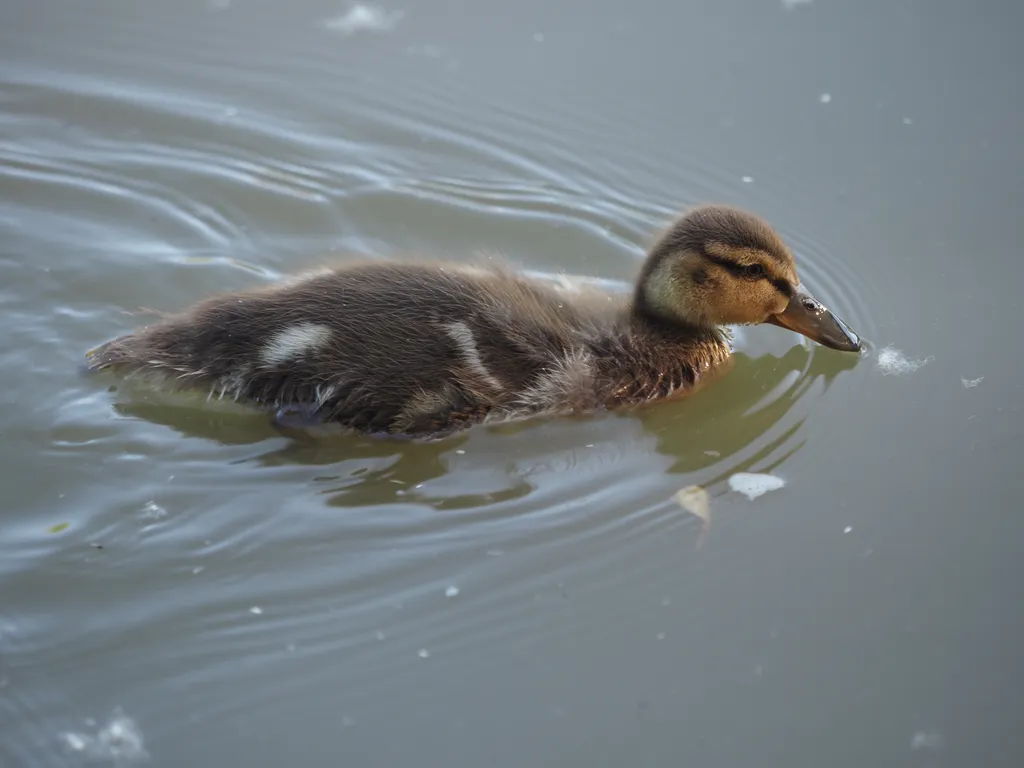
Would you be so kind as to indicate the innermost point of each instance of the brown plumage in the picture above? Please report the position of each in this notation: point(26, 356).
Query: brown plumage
point(426, 349)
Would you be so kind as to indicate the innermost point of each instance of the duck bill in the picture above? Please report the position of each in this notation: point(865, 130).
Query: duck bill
point(808, 316)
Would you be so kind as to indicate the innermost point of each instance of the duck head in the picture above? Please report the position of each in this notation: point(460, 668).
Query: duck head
point(717, 265)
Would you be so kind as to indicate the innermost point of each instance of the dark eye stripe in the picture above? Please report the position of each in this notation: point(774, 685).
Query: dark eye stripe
point(729, 264)
point(782, 286)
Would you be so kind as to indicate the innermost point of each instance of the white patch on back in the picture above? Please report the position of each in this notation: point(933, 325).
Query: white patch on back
point(295, 342)
point(461, 334)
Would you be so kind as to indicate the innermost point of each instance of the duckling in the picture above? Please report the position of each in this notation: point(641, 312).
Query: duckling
point(425, 350)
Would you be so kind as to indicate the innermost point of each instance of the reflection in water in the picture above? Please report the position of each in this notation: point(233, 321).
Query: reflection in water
point(731, 416)
point(747, 420)
point(155, 153)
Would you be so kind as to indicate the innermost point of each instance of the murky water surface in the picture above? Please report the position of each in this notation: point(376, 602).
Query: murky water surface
point(189, 587)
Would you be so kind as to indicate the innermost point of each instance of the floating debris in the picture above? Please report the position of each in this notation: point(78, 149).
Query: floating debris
point(424, 653)
point(359, 18)
point(697, 502)
point(892, 362)
point(752, 484)
point(452, 591)
point(968, 383)
point(58, 527)
point(256, 610)
point(119, 741)
point(848, 529)
point(825, 98)
point(153, 511)
point(747, 179)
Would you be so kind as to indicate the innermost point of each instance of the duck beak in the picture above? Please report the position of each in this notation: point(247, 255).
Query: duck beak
point(809, 317)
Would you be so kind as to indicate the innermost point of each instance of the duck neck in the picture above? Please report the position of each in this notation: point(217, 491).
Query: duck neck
point(645, 320)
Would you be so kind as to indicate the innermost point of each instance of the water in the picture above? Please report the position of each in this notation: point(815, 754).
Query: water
point(181, 586)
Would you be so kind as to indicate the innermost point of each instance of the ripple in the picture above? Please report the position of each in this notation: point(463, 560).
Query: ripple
point(835, 279)
point(346, 546)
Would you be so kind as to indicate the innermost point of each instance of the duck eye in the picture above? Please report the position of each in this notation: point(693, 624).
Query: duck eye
point(753, 270)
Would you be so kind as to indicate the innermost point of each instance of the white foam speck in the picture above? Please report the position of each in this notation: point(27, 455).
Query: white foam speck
point(968, 383)
point(752, 484)
point(256, 610)
point(153, 511)
point(825, 98)
point(452, 591)
point(892, 362)
point(538, 37)
point(459, 452)
point(379, 635)
point(360, 18)
point(660, 636)
point(119, 741)
point(848, 529)
point(747, 179)
point(197, 570)
point(76, 742)
point(908, 121)
point(424, 653)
